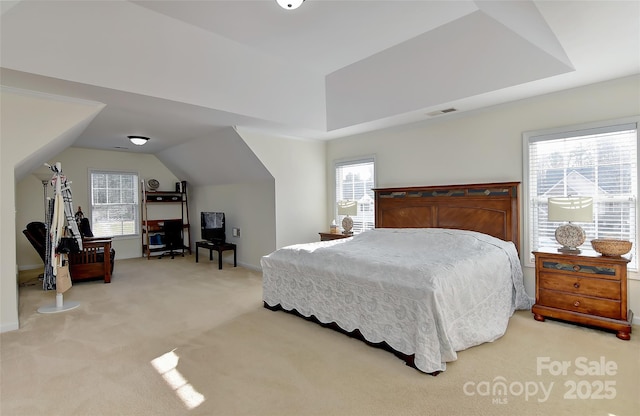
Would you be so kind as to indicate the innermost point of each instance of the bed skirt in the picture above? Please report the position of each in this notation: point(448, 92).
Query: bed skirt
point(408, 359)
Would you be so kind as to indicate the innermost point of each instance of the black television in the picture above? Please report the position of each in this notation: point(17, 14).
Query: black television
point(212, 227)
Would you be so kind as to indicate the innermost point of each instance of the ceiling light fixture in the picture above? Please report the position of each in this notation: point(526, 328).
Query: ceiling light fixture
point(289, 4)
point(138, 140)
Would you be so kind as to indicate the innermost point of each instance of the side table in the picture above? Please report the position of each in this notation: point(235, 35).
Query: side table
point(220, 248)
point(331, 236)
point(585, 288)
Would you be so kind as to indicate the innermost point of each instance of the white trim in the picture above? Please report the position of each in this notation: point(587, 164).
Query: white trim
point(603, 124)
point(30, 267)
point(526, 199)
point(354, 160)
point(12, 326)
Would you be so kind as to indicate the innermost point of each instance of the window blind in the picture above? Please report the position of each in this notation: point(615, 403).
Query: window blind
point(355, 180)
point(600, 163)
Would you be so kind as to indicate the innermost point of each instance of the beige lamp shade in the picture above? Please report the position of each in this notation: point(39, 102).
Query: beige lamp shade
point(571, 209)
point(347, 208)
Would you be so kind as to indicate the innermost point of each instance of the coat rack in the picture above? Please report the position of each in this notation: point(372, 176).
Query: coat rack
point(58, 210)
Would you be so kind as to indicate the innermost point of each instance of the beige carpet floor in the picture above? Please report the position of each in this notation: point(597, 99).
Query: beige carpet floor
point(172, 337)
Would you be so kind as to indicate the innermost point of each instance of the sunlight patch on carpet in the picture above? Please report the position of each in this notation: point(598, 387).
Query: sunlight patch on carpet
point(166, 365)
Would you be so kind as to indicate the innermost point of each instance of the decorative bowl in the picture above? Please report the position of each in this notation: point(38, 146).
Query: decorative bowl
point(610, 247)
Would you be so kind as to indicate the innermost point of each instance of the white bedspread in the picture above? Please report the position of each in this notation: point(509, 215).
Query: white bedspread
point(428, 292)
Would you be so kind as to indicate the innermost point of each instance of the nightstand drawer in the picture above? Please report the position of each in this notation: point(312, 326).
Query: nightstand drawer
point(583, 286)
point(579, 268)
point(583, 304)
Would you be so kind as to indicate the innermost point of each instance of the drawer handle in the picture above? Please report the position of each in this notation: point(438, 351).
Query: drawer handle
point(576, 303)
point(576, 285)
point(576, 268)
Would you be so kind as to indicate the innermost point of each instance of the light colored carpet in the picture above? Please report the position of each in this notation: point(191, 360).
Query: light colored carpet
point(172, 337)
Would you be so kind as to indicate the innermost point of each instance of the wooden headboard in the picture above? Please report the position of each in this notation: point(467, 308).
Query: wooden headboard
point(490, 208)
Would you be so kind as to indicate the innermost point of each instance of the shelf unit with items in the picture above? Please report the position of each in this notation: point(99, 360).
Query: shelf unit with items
point(154, 217)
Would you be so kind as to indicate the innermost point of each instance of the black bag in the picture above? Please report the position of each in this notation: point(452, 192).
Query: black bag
point(68, 245)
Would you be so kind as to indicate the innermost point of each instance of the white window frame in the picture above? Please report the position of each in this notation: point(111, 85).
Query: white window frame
point(136, 203)
point(353, 161)
point(548, 134)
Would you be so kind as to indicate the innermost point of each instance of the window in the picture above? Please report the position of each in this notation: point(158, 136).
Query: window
point(355, 180)
point(599, 161)
point(114, 203)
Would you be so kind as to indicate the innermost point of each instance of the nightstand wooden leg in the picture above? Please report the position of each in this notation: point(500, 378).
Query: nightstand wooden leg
point(538, 317)
point(623, 335)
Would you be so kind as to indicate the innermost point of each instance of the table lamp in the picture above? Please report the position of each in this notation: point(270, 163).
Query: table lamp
point(347, 208)
point(570, 209)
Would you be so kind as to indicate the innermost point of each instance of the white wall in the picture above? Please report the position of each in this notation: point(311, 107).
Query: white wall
point(486, 145)
point(249, 207)
point(76, 163)
point(298, 167)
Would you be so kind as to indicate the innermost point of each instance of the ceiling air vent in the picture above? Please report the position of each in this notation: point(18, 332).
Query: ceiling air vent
point(440, 112)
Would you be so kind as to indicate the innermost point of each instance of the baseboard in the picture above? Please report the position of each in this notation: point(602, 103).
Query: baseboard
point(29, 267)
point(13, 326)
point(249, 266)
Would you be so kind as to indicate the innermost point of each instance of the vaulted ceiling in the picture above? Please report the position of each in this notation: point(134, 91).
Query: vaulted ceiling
point(180, 71)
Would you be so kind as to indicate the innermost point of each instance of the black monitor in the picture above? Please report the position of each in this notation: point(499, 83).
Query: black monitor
point(212, 227)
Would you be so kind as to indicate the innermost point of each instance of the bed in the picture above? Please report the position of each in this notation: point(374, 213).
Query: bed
point(440, 273)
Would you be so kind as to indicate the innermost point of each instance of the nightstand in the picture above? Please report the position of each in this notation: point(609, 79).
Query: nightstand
point(331, 236)
point(585, 288)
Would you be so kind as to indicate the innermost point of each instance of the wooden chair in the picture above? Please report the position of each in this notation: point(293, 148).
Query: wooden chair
point(89, 263)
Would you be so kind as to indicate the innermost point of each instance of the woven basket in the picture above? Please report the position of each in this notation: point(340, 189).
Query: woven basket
point(610, 247)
